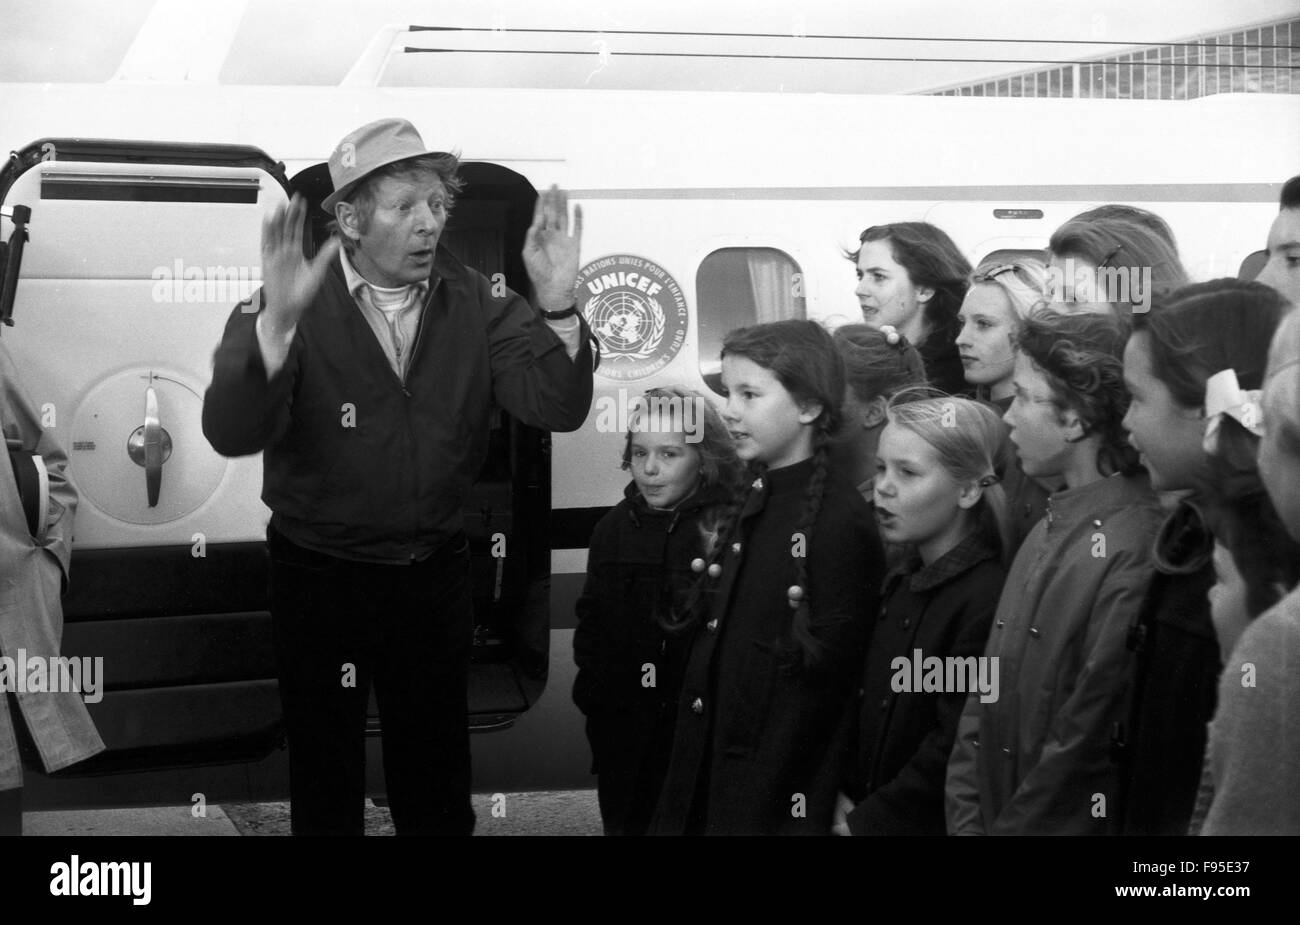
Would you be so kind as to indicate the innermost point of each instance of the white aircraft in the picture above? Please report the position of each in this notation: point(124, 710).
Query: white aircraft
point(704, 211)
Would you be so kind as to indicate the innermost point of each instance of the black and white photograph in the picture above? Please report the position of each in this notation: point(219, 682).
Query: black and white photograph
point(650, 419)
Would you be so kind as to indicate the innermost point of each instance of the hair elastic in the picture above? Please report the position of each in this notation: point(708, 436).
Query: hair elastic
point(894, 337)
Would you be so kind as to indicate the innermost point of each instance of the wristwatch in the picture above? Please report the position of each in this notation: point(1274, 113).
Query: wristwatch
point(560, 315)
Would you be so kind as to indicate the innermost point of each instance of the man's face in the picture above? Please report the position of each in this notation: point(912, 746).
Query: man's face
point(397, 246)
point(1282, 271)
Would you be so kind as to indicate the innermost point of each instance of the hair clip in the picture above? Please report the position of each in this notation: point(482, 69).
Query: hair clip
point(995, 271)
point(1224, 395)
point(1106, 260)
point(989, 480)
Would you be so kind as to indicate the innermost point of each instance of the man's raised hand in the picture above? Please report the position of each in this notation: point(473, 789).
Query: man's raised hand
point(551, 250)
point(289, 280)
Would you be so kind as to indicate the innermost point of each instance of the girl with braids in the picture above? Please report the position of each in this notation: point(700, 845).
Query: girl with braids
point(878, 364)
point(912, 276)
point(1176, 350)
point(1001, 296)
point(937, 492)
point(1037, 760)
point(684, 472)
point(779, 612)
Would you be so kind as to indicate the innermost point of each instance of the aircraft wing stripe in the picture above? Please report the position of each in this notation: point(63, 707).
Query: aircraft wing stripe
point(1124, 192)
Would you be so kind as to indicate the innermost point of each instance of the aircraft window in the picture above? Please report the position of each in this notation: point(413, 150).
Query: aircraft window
point(1252, 265)
point(740, 286)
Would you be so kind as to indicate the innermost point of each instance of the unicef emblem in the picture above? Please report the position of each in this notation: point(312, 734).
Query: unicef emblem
point(636, 310)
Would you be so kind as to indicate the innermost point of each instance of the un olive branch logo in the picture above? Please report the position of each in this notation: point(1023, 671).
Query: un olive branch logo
point(657, 325)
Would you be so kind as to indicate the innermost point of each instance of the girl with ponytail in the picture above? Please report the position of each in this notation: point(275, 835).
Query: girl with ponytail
point(937, 492)
point(780, 606)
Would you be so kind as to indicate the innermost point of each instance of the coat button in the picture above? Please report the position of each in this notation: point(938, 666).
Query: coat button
point(735, 547)
point(884, 705)
point(1033, 631)
point(1006, 751)
point(712, 625)
point(907, 621)
point(697, 706)
point(1000, 622)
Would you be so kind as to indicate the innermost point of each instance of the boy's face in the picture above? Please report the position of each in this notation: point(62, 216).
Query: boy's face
point(1282, 271)
point(1038, 428)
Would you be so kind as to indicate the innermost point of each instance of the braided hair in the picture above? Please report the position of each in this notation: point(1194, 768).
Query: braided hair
point(804, 359)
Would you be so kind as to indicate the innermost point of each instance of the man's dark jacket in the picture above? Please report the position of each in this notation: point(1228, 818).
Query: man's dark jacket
point(360, 464)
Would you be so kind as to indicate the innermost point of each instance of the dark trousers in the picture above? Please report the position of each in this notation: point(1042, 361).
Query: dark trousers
point(408, 629)
point(11, 812)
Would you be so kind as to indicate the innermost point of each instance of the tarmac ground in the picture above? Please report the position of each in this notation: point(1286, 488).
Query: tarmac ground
point(556, 812)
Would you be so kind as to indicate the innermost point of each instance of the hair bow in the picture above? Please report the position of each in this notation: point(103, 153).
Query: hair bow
point(1223, 395)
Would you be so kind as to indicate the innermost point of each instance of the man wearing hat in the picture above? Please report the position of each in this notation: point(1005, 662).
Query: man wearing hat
point(365, 376)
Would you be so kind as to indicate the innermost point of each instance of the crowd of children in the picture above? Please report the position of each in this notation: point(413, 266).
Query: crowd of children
point(1018, 554)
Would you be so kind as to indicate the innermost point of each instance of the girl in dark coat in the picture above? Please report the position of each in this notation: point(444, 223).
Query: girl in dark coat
point(937, 492)
point(1175, 349)
point(684, 472)
point(778, 614)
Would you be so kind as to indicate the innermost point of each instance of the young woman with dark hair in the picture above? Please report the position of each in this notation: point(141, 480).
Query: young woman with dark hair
point(912, 276)
point(780, 608)
point(1036, 760)
point(1175, 350)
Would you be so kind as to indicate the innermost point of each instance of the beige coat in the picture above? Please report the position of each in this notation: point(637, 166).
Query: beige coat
point(31, 583)
point(1037, 761)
